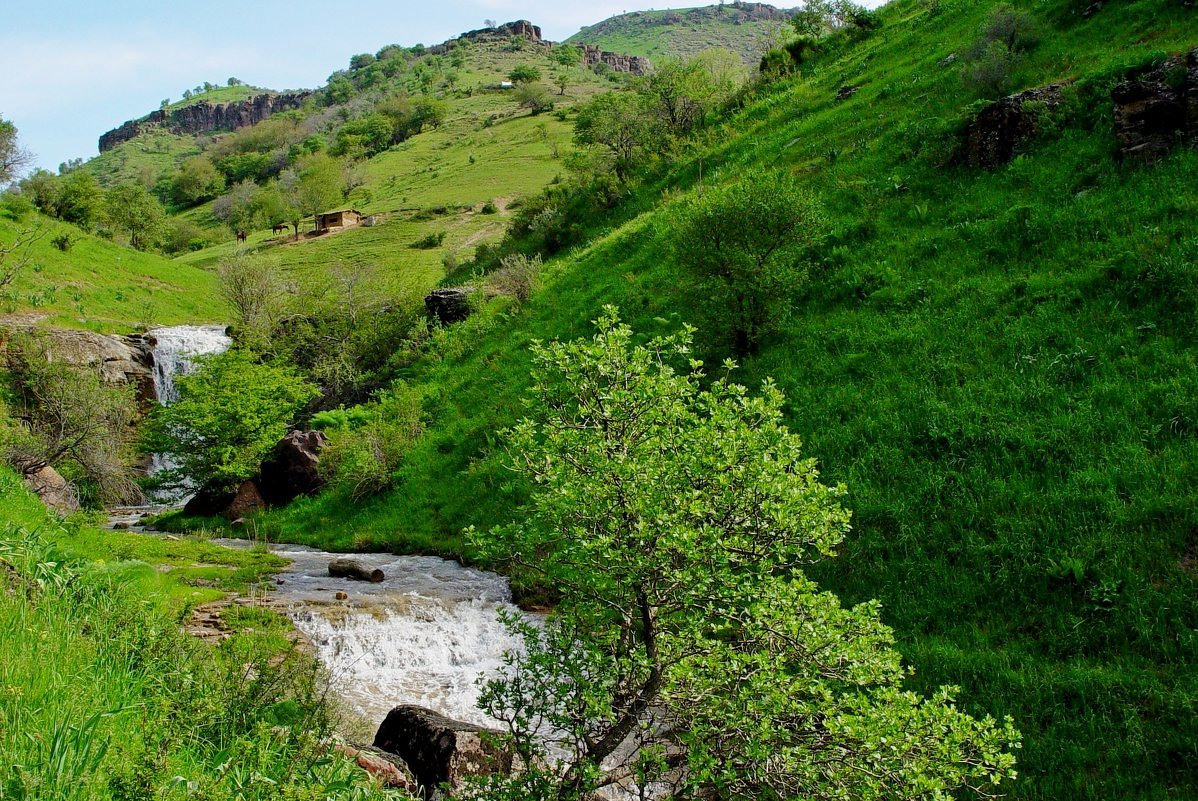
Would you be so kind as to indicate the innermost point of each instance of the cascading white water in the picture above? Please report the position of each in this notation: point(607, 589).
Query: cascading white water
point(175, 351)
point(424, 635)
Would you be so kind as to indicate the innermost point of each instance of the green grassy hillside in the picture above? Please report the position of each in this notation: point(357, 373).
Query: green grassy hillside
point(999, 365)
point(681, 33)
point(99, 285)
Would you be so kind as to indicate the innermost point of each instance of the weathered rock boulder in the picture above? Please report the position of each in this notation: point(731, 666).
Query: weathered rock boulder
point(389, 769)
point(439, 750)
point(353, 569)
point(246, 500)
point(293, 468)
point(208, 503)
point(55, 491)
point(449, 306)
point(117, 359)
point(1158, 110)
point(995, 135)
point(632, 65)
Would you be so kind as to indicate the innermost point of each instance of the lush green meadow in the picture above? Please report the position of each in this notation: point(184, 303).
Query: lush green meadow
point(100, 285)
point(999, 366)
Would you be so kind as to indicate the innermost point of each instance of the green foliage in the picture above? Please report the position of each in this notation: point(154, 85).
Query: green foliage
point(129, 208)
point(198, 180)
point(746, 243)
point(13, 157)
point(677, 522)
point(230, 412)
point(429, 242)
point(525, 73)
point(368, 446)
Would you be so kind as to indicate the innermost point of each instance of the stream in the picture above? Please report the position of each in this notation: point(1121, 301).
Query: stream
point(424, 635)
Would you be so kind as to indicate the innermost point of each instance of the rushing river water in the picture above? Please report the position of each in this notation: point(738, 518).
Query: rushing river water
point(422, 636)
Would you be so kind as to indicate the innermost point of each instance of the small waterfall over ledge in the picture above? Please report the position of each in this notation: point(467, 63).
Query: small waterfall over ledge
point(173, 353)
point(175, 350)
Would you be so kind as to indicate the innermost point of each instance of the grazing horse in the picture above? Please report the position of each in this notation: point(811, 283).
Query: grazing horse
point(241, 236)
point(279, 229)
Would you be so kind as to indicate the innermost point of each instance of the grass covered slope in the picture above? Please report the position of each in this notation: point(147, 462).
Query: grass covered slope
point(682, 33)
point(999, 365)
point(99, 285)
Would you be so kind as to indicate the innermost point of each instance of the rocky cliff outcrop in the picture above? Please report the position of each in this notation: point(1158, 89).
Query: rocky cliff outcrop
point(449, 306)
point(1158, 110)
point(995, 135)
point(633, 65)
point(205, 117)
point(117, 359)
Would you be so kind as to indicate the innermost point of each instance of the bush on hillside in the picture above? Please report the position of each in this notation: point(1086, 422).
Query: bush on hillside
point(364, 454)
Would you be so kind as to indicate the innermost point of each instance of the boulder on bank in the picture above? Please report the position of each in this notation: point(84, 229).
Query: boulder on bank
point(439, 750)
point(55, 491)
point(247, 500)
point(293, 468)
point(353, 569)
point(994, 137)
point(389, 769)
point(1158, 110)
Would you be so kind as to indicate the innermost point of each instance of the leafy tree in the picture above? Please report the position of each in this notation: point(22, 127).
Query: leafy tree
point(525, 73)
point(621, 123)
point(253, 290)
point(364, 137)
point(238, 208)
point(80, 199)
point(13, 157)
point(43, 188)
point(133, 210)
point(319, 184)
point(197, 180)
point(689, 651)
point(535, 97)
point(567, 55)
point(745, 243)
point(231, 411)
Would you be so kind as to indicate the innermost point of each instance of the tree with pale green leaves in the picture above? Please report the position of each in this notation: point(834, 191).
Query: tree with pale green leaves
point(133, 210)
point(690, 655)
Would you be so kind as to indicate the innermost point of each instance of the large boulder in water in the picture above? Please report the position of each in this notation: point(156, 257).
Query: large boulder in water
point(439, 750)
point(293, 468)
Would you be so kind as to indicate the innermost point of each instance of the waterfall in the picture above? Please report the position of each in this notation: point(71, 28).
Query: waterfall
point(175, 350)
point(174, 354)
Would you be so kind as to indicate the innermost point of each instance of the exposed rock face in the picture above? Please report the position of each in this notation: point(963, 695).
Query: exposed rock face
point(293, 468)
point(502, 33)
point(117, 359)
point(1159, 110)
point(355, 570)
point(633, 65)
point(205, 117)
point(247, 500)
point(207, 503)
point(439, 750)
point(55, 491)
point(449, 306)
point(996, 133)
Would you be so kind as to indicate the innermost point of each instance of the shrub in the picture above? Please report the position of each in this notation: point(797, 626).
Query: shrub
point(517, 276)
point(429, 242)
point(362, 460)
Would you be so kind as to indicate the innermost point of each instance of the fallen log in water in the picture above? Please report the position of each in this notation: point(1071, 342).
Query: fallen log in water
point(351, 569)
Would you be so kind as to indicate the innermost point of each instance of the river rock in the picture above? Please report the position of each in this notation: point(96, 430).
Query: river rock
point(389, 769)
point(247, 500)
point(353, 569)
point(995, 135)
point(55, 491)
point(293, 468)
point(1158, 110)
point(440, 750)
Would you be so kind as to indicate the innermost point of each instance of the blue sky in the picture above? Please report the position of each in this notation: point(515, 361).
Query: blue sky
point(76, 69)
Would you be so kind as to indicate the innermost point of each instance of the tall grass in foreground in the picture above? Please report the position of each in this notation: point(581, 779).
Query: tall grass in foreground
point(102, 696)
